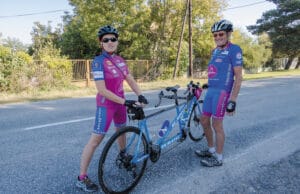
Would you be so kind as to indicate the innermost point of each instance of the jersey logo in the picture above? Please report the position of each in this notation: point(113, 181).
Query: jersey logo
point(239, 55)
point(108, 62)
point(225, 52)
point(121, 64)
point(218, 60)
point(212, 71)
point(98, 74)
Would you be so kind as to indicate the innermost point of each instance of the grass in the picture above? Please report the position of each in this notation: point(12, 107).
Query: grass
point(79, 89)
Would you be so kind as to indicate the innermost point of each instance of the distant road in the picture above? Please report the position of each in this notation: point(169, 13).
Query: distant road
point(41, 145)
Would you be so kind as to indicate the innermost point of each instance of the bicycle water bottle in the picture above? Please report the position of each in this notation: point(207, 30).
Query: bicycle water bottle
point(198, 92)
point(164, 128)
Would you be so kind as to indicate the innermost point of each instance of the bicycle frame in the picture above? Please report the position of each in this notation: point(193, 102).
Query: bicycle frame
point(120, 169)
point(183, 110)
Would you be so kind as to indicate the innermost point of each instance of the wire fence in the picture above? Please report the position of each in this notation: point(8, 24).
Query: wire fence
point(138, 68)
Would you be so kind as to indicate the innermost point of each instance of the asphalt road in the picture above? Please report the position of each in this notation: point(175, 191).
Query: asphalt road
point(41, 145)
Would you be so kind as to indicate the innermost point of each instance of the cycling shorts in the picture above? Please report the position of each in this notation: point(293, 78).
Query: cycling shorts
point(215, 103)
point(106, 114)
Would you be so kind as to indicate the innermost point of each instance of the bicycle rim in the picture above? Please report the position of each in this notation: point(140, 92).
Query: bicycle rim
point(196, 132)
point(116, 172)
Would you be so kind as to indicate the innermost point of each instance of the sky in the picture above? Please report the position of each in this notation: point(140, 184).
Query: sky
point(17, 17)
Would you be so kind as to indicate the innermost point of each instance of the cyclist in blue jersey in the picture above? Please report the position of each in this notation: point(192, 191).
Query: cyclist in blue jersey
point(224, 83)
point(109, 72)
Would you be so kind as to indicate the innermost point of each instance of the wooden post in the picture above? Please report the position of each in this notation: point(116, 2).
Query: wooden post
point(88, 74)
point(179, 43)
point(190, 71)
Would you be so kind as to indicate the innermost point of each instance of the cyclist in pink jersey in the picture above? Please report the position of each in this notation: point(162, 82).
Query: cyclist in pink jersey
point(109, 72)
point(224, 83)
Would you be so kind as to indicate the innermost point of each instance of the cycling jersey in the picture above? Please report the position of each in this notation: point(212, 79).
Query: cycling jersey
point(113, 70)
point(220, 69)
point(220, 79)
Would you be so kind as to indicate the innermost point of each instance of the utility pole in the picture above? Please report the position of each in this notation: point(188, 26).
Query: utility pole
point(180, 41)
point(190, 71)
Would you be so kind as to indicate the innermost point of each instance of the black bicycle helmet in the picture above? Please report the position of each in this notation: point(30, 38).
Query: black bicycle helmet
point(107, 30)
point(223, 25)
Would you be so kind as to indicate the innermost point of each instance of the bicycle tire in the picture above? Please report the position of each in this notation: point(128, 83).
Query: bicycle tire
point(114, 171)
point(196, 131)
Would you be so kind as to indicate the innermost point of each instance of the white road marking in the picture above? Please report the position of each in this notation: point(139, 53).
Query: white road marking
point(58, 123)
point(79, 120)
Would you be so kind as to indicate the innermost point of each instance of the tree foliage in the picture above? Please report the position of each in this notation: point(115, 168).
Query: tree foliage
point(14, 66)
point(45, 69)
point(149, 29)
point(255, 52)
point(283, 26)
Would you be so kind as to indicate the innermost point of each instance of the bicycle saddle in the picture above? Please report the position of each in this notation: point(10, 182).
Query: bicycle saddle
point(173, 89)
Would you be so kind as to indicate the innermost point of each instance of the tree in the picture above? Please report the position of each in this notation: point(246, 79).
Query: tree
point(283, 27)
point(51, 69)
point(14, 43)
point(72, 42)
point(255, 52)
point(44, 36)
point(149, 29)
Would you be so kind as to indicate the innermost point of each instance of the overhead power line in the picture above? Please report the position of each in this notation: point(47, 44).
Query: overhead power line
point(63, 10)
point(246, 5)
point(36, 13)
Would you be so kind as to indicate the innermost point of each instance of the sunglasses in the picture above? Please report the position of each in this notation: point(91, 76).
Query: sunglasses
point(221, 34)
point(106, 40)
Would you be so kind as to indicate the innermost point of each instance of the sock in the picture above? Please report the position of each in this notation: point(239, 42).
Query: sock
point(81, 177)
point(219, 156)
point(212, 149)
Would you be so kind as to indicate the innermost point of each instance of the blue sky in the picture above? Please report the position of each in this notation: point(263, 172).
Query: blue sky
point(20, 26)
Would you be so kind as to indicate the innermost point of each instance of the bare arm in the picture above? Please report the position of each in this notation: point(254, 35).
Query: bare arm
point(103, 91)
point(238, 74)
point(133, 85)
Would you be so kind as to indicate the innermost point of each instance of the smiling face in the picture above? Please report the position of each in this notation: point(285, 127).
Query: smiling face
point(221, 38)
point(109, 43)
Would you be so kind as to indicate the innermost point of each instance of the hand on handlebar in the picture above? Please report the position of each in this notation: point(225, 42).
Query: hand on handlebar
point(142, 99)
point(130, 103)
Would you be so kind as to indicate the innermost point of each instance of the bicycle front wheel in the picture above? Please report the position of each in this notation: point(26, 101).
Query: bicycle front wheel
point(119, 171)
point(196, 131)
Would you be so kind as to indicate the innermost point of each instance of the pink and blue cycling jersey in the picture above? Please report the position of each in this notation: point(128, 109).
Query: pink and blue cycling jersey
point(112, 69)
point(220, 69)
point(221, 78)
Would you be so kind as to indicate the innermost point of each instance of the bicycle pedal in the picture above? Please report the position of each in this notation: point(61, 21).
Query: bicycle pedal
point(183, 137)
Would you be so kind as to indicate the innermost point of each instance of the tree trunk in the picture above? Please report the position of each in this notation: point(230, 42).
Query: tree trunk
point(289, 63)
point(298, 63)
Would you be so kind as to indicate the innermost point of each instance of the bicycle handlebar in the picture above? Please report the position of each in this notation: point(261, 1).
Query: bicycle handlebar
point(190, 92)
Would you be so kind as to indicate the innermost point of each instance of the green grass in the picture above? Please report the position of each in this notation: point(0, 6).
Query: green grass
point(79, 90)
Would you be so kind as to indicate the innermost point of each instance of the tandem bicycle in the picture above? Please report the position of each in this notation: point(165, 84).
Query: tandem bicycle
point(125, 155)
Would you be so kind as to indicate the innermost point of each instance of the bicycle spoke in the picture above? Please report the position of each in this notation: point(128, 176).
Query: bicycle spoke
point(196, 132)
point(119, 173)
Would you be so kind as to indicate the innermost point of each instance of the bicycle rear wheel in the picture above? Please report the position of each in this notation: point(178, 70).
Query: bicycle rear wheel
point(120, 171)
point(196, 132)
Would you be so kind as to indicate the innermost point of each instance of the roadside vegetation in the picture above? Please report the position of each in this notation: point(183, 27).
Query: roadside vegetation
point(149, 30)
point(78, 89)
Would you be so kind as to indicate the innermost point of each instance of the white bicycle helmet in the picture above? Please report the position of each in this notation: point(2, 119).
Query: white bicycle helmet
point(223, 25)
